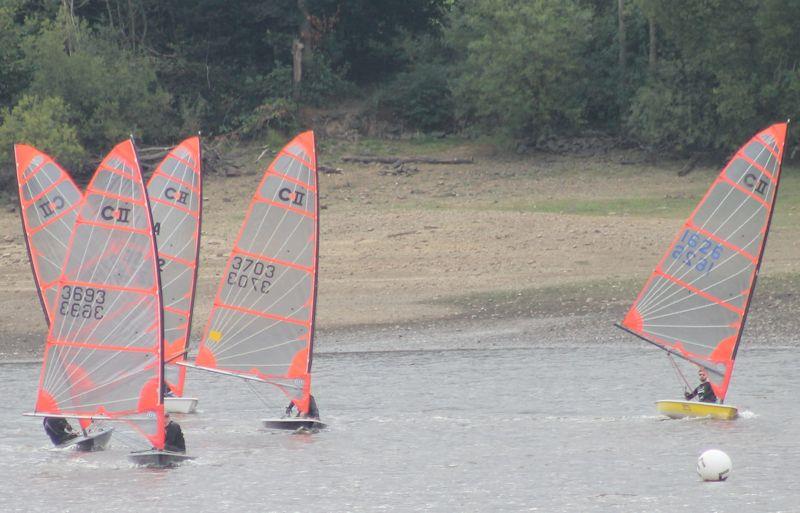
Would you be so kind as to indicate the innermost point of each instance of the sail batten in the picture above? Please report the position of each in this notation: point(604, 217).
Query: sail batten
point(261, 324)
point(695, 302)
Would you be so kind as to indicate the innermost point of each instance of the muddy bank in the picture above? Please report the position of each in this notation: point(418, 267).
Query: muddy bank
point(541, 242)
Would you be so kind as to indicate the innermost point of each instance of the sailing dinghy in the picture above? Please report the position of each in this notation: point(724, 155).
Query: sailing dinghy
point(176, 198)
point(49, 202)
point(48, 206)
point(695, 303)
point(104, 356)
point(261, 326)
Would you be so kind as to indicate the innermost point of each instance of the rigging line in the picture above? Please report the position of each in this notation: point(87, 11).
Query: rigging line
point(679, 312)
point(237, 319)
point(111, 306)
point(258, 349)
point(66, 383)
point(41, 222)
point(113, 267)
point(656, 297)
point(224, 318)
point(661, 305)
point(688, 326)
point(687, 386)
point(271, 171)
point(171, 210)
point(667, 339)
point(260, 397)
point(132, 273)
point(657, 302)
point(720, 204)
point(656, 293)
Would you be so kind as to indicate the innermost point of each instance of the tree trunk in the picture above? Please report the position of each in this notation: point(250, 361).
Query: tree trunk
point(651, 58)
point(297, 66)
point(621, 34)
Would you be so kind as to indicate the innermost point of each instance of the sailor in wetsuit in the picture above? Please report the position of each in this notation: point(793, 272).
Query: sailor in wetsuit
point(313, 411)
point(166, 389)
point(58, 429)
point(704, 391)
point(173, 436)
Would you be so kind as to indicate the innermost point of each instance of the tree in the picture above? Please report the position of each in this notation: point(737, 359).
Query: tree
point(519, 72)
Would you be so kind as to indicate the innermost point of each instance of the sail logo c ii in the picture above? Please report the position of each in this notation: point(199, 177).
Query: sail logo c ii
point(50, 207)
point(173, 194)
point(118, 215)
point(760, 188)
point(295, 197)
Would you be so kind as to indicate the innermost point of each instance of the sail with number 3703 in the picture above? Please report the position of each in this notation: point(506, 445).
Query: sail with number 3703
point(261, 325)
point(695, 303)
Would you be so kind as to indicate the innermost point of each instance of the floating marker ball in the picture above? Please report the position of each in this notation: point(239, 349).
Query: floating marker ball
point(714, 465)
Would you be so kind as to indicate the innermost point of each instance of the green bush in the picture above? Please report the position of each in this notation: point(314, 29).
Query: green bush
point(275, 114)
point(666, 113)
point(45, 124)
point(110, 92)
point(521, 69)
point(421, 98)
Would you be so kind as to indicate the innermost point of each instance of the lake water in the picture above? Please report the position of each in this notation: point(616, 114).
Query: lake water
point(570, 427)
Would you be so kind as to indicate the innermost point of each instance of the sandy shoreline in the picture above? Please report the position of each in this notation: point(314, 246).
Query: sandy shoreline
point(506, 240)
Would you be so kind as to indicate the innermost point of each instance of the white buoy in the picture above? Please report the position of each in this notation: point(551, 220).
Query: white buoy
point(714, 465)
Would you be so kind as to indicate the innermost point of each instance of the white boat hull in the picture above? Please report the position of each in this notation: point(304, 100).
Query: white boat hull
point(180, 404)
point(154, 458)
point(94, 441)
point(294, 423)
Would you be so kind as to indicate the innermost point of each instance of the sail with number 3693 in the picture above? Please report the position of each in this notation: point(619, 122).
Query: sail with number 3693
point(695, 303)
point(104, 356)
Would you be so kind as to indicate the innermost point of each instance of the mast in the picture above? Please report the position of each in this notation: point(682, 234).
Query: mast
point(27, 240)
point(160, 293)
point(312, 330)
point(763, 244)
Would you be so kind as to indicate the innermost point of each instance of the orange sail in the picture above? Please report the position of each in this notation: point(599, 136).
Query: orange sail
point(49, 201)
point(695, 303)
point(261, 325)
point(104, 353)
point(176, 199)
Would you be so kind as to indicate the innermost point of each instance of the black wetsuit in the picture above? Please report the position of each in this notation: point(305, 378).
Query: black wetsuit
point(167, 390)
point(313, 411)
point(58, 429)
point(704, 392)
point(173, 438)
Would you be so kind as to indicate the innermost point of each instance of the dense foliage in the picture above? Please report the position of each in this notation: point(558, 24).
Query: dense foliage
point(78, 75)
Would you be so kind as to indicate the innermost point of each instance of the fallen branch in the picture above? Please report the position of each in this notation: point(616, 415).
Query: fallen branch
point(404, 160)
point(330, 170)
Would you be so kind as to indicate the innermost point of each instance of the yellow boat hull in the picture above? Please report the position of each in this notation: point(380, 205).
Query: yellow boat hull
point(682, 409)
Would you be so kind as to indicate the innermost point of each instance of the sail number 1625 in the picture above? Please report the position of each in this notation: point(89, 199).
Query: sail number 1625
point(248, 273)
